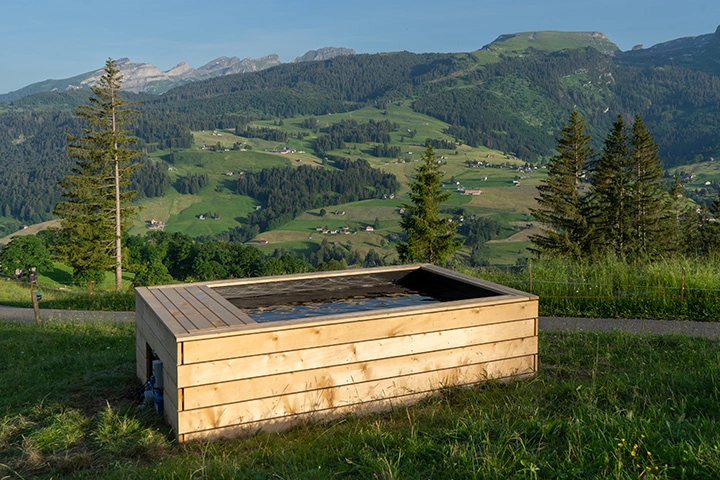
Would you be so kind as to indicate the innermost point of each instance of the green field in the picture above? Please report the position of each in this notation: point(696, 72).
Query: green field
point(182, 212)
point(602, 405)
point(501, 197)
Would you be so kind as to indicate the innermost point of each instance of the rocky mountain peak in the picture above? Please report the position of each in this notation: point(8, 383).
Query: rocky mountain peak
point(146, 77)
point(325, 53)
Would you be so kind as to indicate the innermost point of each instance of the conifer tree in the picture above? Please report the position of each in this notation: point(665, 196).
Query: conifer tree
point(429, 237)
point(701, 229)
point(611, 196)
point(97, 202)
point(562, 209)
point(652, 222)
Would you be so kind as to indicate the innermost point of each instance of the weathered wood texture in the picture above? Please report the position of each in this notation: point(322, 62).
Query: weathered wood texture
point(229, 375)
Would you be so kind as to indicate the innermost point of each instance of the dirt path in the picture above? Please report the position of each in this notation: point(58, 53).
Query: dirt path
point(709, 330)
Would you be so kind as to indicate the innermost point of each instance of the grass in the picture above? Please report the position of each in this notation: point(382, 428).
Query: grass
point(677, 289)
point(57, 293)
point(604, 405)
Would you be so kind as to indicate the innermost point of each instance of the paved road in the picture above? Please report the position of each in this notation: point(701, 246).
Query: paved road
point(27, 315)
point(709, 330)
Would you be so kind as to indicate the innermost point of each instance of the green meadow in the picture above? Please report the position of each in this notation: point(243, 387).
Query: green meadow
point(505, 191)
point(182, 213)
point(606, 405)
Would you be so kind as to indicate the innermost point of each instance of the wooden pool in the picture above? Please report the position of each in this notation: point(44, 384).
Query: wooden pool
point(333, 343)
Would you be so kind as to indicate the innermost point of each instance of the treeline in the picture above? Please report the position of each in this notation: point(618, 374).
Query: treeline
point(286, 192)
point(337, 135)
point(266, 133)
point(386, 150)
point(625, 208)
point(161, 257)
point(441, 143)
point(151, 180)
point(192, 183)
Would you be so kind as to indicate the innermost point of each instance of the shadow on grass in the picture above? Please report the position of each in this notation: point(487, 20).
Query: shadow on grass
point(60, 276)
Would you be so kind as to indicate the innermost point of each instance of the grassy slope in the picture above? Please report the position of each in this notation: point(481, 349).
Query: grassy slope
point(181, 212)
point(602, 406)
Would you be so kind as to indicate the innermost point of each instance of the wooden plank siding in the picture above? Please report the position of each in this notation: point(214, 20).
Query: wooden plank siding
point(340, 396)
point(280, 361)
point(349, 373)
point(292, 336)
point(518, 368)
point(225, 374)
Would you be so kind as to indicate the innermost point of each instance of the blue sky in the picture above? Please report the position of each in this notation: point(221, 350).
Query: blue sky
point(42, 39)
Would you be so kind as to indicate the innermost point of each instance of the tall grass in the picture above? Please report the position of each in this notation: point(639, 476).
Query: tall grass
point(678, 289)
point(602, 406)
point(16, 293)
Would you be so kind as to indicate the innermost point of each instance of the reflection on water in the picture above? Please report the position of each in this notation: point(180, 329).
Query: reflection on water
point(348, 305)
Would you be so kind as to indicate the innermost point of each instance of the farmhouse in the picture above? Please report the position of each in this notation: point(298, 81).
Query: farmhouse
point(284, 150)
point(156, 224)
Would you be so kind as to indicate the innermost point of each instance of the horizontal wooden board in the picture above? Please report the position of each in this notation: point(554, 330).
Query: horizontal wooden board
point(353, 352)
point(257, 342)
point(274, 425)
point(345, 374)
point(347, 395)
point(164, 348)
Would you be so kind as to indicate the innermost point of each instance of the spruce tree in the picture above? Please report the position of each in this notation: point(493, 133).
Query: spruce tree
point(97, 202)
point(611, 196)
point(652, 222)
point(562, 209)
point(702, 229)
point(429, 237)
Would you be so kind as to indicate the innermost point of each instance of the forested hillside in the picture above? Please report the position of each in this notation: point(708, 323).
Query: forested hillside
point(515, 103)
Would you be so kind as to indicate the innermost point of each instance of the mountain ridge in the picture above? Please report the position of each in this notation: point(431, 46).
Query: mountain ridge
point(147, 78)
point(701, 52)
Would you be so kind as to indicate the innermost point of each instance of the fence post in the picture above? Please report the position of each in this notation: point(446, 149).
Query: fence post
point(32, 277)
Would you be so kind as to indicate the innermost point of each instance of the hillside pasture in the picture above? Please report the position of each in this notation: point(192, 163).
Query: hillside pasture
point(182, 212)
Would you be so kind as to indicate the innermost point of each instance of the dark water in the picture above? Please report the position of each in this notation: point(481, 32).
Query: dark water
point(348, 305)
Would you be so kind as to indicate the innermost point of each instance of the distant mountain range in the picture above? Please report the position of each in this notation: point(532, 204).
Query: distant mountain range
point(697, 53)
point(147, 78)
